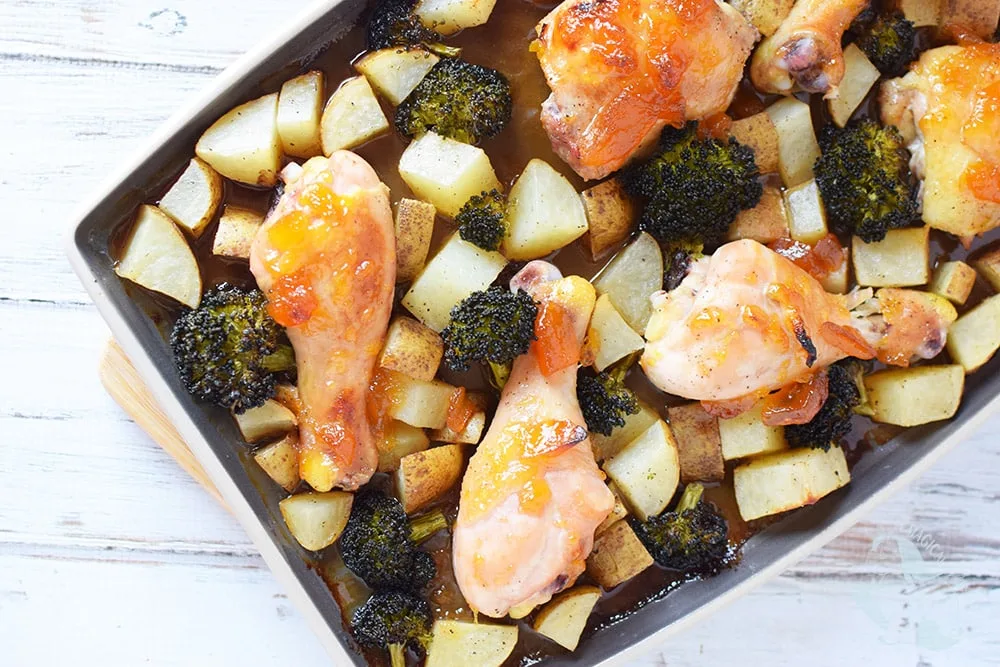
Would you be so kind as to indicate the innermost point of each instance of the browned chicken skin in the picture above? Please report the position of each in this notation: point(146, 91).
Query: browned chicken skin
point(326, 259)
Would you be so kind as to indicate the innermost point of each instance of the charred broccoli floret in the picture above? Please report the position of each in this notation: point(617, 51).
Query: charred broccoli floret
point(459, 100)
point(693, 188)
point(493, 326)
point(889, 40)
point(846, 396)
point(604, 399)
point(692, 539)
point(864, 177)
point(394, 23)
point(393, 621)
point(380, 543)
point(229, 351)
point(677, 258)
point(482, 221)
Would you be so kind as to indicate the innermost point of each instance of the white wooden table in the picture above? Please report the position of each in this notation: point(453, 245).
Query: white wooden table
point(110, 555)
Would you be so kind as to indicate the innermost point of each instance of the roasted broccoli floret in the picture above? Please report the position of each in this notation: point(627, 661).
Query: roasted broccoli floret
point(482, 221)
point(380, 543)
point(693, 188)
point(604, 399)
point(677, 258)
point(394, 23)
point(692, 539)
point(393, 621)
point(864, 177)
point(459, 100)
point(229, 351)
point(888, 40)
point(493, 326)
point(846, 396)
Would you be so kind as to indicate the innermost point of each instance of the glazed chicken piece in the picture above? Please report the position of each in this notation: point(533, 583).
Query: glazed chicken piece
point(948, 107)
point(805, 53)
point(620, 70)
point(326, 257)
point(532, 495)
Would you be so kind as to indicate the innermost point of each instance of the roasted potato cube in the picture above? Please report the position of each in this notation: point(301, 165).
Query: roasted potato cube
point(646, 471)
point(563, 619)
point(194, 198)
point(631, 278)
point(610, 217)
point(316, 520)
point(352, 117)
point(806, 215)
point(419, 403)
point(699, 447)
point(450, 16)
point(399, 440)
point(798, 149)
point(606, 446)
point(748, 435)
point(979, 16)
point(300, 107)
point(765, 223)
point(609, 337)
point(765, 15)
point(414, 230)
point(618, 512)
point(237, 229)
point(859, 77)
point(473, 431)
point(786, 480)
point(618, 556)
point(157, 256)
point(395, 72)
point(838, 281)
point(922, 12)
point(244, 144)
point(901, 259)
point(759, 133)
point(446, 172)
point(544, 213)
point(464, 644)
point(281, 461)
point(914, 396)
point(974, 338)
point(954, 281)
point(423, 477)
point(411, 349)
point(265, 421)
point(987, 263)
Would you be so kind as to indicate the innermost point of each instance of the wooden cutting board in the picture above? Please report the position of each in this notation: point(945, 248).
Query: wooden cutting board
point(121, 380)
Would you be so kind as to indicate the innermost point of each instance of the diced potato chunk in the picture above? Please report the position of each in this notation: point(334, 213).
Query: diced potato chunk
point(446, 172)
point(563, 619)
point(351, 117)
point(423, 477)
point(473, 431)
point(450, 16)
point(631, 278)
point(922, 12)
point(901, 259)
point(610, 217)
point(786, 480)
point(987, 263)
point(606, 446)
point(759, 133)
point(646, 471)
point(316, 520)
point(764, 223)
point(300, 107)
point(157, 256)
point(412, 349)
point(748, 435)
point(414, 230)
point(979, 16)
point(458, 270)
point(954, 281)
point(806, 215)
point(798, 149)
point(914, 396)
point(237, 229)
point(859, 77)
point(974, 338)
point(699, 447)
point(244, 144)
point(544, 213)
point(281, 461)
point(618, 512)
point(193, 199)
point(265, 421)
point(618, 556)
point(419, 403)
point(395, 72)
point(610, 338)
point(838, 281)
point(765, 15)
point(399, 440)
point(464, 644)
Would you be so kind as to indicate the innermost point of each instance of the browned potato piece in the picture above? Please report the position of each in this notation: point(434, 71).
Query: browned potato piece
point(411, 349)
point(765, 15)
point(473, 430)
point(921, 12)
point(424, 476)
point(618, 512)
point(316, 520)
point(699, 446)
point(980, 16)
point(399, 440)
point(193, 199)
point(610, 217)
point(237, 229)
point(766, 222)
point(758, 132)
point(987, 263)
point(618, 556)
point(414, 228)
point(563, 619)
point(953, 281)
point(280, 461)
point(265, 421)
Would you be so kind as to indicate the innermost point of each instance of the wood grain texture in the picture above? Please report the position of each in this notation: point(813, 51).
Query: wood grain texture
point(111, 555)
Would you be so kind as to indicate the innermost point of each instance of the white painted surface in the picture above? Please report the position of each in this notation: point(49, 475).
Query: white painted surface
point(110, 555)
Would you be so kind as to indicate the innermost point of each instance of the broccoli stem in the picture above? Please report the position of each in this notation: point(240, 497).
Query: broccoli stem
point(618, 372)
point(864, 407)
point(423, 527)
point(397, 657)
point(690, 498)
point(499, 374)
point(443, 50)
point(282, 360)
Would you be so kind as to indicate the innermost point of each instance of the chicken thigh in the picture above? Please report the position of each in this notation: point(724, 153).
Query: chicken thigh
point(326, 259)
point(532, 495)
point(620, 70)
